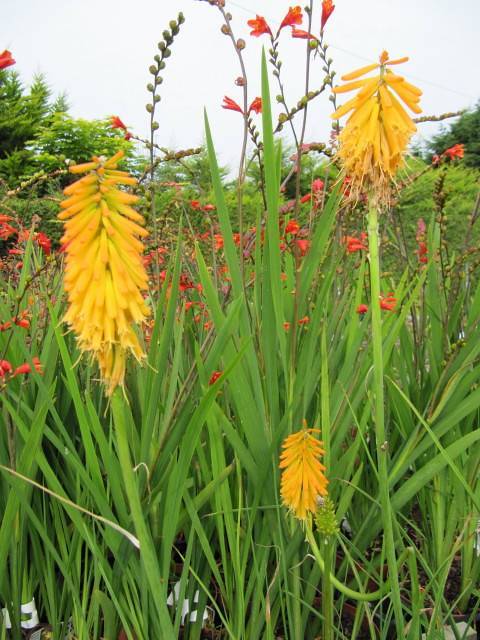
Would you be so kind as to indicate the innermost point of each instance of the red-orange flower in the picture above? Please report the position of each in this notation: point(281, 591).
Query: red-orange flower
point(304, 35)
point(256, 106)
point(294, 16)
point(292, 227)
point(259, 26)
point(26, 368)
point(303, 246)
point(214, 377)
point(304, 320)
point(422, 252)
point(354, 244)
point(43, 242)
point(231, 104)
point(388, 303)
point(5, 367)
point(218, 241)
point(361, 309)
point(327, 10)
point(457, 151)
point(6, 59)
point(116, 123)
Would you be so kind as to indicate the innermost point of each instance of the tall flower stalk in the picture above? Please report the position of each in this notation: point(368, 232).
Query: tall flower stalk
point(372, 147)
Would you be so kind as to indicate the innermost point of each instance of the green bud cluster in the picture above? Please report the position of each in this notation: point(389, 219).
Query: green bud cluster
point(325, 517)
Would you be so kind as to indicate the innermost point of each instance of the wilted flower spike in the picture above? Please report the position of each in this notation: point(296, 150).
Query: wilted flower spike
point(104, 271)
point(374, 140)
point(303, 479)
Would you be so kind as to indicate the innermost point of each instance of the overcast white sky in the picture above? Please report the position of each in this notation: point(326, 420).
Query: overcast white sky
point(98, 52)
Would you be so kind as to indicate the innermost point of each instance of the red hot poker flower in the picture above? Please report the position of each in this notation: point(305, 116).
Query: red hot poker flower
point(294, 16)
point(259, 26)
point(327, 10)
point(256, 106)
point(231, 104)
point(116, 123)
point(6, 59)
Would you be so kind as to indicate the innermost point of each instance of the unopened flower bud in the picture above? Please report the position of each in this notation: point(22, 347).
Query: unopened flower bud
point(240, 82)
point(156, 98)
point(155, 126)
point(181, 18)
point(225, 29)
point(150, 87)
point(241, 44)
point(149, 108)
point(153, 69)
point(167, 53)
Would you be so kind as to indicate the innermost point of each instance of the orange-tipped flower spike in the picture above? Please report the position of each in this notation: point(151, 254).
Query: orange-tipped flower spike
point(303, 480)
point(374, 140)
point(104, 272)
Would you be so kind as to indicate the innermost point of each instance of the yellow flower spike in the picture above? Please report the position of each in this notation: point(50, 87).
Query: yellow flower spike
point(303, 479)
point(375, 138)
point(104, 271)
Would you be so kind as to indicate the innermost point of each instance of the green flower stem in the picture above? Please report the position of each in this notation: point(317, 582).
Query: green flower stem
point(327, 591)
point(379, 412)
point(350, 593)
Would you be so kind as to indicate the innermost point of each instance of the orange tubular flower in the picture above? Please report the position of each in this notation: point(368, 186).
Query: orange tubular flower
point(457, 151)
point(303, 480)
point(116, 123)
point(6, 59)
point(388, 303)
point(104, 271)
point(256, 105)
point(327, 10)
point(231, 104)
point(294, 16)
point(304, 35)
point(374, 140)
point(259, 26)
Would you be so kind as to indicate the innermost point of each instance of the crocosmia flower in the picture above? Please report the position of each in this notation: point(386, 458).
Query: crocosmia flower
point(6, 59)
point(327, 10)
point(259, 26)
point(228, 103)
point(256, 105)
point(294, 16)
